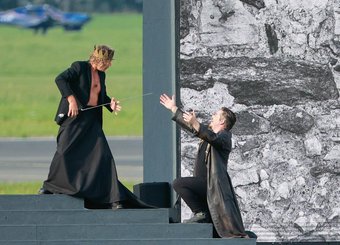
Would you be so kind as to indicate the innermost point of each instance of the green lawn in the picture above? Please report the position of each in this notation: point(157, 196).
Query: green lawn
point(29, 64)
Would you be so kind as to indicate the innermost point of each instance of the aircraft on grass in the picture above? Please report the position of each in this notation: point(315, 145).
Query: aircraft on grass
point(43, 17)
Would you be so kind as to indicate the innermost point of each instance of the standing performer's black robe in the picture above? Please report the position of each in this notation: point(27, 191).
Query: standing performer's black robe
point(83, 165)
point(221, 198)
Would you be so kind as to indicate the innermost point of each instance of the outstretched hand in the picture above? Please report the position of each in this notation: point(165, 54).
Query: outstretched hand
point(115, 106)
point(168, 102)
point(189, 117)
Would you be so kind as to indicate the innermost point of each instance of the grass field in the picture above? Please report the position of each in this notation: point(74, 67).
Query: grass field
point(29, 64)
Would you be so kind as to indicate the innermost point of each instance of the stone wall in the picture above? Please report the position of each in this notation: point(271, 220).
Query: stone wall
point(275, 63)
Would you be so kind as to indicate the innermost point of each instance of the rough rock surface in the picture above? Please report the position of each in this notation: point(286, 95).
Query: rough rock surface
point(276, 65)
point(261, 81)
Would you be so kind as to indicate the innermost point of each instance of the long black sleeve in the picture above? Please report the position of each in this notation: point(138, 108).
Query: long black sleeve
point(178, 118)
point(64, 79)
point(220, 140)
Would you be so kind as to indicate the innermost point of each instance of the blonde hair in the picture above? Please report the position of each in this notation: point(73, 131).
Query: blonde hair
point(101, 54)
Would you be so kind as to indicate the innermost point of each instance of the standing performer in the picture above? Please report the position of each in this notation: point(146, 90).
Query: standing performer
point(209, 194)
point(83, 165)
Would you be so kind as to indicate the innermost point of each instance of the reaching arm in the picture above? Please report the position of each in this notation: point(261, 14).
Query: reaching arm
point(168, 102)
point(183, 119)
point(220, 140)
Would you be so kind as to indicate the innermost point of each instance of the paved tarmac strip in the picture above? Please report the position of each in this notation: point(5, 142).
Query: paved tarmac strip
point(28, 159)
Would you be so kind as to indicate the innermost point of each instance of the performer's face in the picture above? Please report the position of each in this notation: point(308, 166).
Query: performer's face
point(216, 119)
point(103, 66)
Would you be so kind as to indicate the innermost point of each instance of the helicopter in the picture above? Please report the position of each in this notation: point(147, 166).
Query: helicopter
point(43, 17)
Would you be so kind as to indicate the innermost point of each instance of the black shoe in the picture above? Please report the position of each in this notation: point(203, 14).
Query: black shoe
point(44, 191)
point(200, 217)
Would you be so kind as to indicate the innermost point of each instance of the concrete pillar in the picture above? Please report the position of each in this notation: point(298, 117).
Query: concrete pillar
point(160, 56)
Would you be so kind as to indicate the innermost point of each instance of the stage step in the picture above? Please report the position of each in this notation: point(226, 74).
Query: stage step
point(172, 241)
point(100, 216)
point(40, 202)
point(61, 219)
point(107, 231)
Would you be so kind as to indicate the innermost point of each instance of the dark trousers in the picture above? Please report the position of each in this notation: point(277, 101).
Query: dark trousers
point(193, 190)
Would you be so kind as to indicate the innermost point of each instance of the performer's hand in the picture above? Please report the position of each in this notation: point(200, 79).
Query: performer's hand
point(168, 102)
point(72, 106)
point(115, 106)
point(190, 117)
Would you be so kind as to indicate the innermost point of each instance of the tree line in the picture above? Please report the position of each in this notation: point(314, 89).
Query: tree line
point(89, 6)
